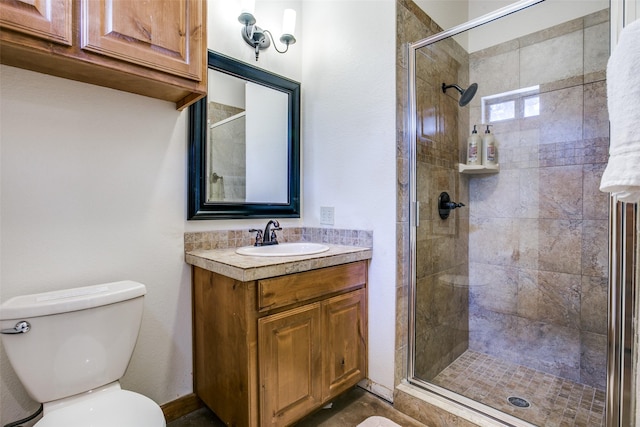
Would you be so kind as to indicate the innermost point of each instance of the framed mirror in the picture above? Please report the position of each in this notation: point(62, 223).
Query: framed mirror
point(244, 144)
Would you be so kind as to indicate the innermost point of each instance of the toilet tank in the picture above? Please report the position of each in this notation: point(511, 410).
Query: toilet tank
point(79, 338)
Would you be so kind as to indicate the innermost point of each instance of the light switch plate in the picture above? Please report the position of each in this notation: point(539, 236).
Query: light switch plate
point(326, 215)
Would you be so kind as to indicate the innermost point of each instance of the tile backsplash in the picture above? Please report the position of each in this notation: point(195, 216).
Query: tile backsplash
point(222, 239)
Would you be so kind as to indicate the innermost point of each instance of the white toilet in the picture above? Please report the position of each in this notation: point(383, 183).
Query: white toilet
point(71, 347)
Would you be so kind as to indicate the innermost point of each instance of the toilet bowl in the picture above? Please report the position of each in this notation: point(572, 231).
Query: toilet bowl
point(108, 406)
point(70, 348)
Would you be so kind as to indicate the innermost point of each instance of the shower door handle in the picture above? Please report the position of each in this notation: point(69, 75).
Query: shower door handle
point(21, 327)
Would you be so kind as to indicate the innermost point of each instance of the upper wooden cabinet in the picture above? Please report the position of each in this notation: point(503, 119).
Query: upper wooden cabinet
point(44, 19)
point(153, 48)
point(154, 34)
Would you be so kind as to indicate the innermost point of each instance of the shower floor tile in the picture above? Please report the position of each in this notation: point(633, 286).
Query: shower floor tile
point(554, 401)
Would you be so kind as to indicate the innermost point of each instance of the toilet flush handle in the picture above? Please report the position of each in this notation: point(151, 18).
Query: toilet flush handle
point(21, 327)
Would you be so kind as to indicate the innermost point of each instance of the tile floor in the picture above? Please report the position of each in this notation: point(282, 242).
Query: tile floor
point(348, 410)
point(554, 401)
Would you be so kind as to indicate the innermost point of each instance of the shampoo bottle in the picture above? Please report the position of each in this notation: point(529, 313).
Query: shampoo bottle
point(489, 150)
point(474, 148)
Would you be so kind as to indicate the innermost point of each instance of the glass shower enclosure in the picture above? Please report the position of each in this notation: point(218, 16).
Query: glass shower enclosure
point(510, 268)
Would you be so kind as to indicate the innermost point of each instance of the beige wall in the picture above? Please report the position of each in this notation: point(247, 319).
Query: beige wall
point(93, 190)
point(348, 122)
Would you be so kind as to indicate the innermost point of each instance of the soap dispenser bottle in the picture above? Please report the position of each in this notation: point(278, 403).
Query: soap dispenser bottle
point(489, 149)
point(474, 148)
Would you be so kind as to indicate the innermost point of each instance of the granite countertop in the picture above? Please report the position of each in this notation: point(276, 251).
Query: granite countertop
point(246, 268)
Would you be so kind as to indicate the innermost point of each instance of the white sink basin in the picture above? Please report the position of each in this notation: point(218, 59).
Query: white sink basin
point(284, 249)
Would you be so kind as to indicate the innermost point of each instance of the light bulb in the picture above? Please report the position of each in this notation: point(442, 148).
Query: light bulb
point(248, 6)
point(289, 21)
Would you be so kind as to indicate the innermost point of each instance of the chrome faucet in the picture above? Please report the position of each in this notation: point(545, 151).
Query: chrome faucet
point(269, 236)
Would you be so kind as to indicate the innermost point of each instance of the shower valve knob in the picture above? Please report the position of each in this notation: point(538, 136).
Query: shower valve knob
point(453, 205)
point(445, 205)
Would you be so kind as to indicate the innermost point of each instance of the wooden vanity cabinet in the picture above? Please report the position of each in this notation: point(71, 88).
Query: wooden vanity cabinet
point(269, 352)
point(153, 48)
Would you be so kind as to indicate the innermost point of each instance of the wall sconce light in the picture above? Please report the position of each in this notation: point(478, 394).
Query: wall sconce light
point(255, 36)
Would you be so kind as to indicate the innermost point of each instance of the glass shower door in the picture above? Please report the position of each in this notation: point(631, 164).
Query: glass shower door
point(510, 291)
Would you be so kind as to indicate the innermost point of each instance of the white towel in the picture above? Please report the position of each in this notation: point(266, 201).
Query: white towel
point(622, 175)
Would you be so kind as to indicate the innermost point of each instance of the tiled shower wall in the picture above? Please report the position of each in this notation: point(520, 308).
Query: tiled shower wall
point(442, 262)
point(539, 229)
point(412, 25)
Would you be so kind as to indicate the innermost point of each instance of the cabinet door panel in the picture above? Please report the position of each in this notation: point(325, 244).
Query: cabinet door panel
point(44, 19)
point(159, 34)
point(290, 364)
point(345, 342)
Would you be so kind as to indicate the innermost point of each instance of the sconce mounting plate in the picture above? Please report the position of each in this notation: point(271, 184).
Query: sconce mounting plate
point(255, 37)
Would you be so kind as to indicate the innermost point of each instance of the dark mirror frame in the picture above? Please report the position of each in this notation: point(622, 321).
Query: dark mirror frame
point(198, 207)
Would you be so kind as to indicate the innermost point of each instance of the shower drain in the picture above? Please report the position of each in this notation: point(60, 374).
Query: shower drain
point(519, 402)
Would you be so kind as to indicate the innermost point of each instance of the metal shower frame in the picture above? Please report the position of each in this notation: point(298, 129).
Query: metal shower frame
point(623, 253)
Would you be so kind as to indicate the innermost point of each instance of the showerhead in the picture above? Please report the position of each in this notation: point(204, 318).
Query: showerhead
point(466, 95)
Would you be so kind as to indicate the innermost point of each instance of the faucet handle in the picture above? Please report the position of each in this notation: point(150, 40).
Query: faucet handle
point(258, 236)
point(274, 237)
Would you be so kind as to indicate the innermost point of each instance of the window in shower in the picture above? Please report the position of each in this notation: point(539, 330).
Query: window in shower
point(532, 106)
point(503, 110)
point(509, 294)
point(514, 104)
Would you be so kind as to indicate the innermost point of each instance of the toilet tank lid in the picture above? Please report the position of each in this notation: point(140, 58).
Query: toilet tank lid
point(66, 300)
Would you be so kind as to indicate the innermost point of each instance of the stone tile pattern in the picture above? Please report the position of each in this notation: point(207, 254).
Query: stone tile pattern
point(442, 291)
point(223, 239)
point(411, 24)
point(555, 401)
point(538, 246)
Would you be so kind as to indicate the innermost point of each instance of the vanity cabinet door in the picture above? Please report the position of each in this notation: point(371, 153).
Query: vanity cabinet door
point(290, 364)
point(161, 34)
point(43, 19)
point(344, 346)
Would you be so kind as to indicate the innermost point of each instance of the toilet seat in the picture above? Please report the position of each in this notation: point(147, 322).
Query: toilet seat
point(107, 407)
